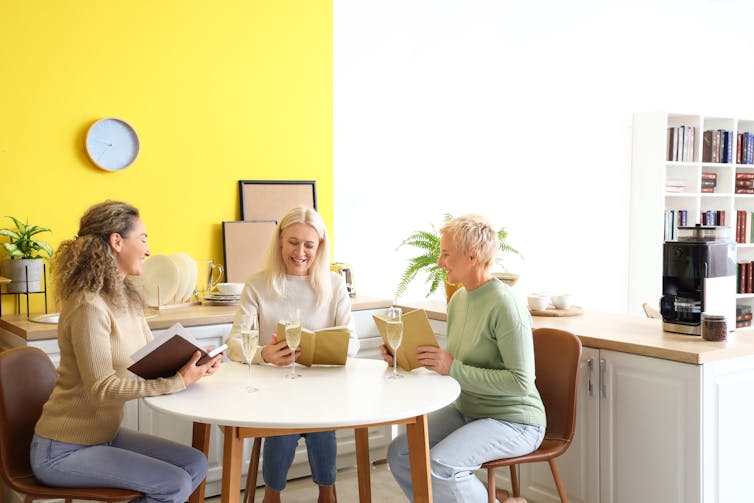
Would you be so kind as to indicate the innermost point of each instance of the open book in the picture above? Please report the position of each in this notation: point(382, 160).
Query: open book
point(326, 346)
point(168, 352)
point(416, 332)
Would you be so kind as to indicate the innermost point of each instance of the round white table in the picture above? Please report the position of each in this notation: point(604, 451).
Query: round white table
point(355, 396)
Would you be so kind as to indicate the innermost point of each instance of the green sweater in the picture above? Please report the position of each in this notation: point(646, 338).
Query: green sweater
point(490, 338)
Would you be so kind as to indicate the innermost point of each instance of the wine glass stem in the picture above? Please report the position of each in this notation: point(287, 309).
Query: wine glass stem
point(395, 366)
point(249, 374)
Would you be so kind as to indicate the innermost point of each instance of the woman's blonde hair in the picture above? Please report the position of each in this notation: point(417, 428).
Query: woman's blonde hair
point(473, 235)
point(86, 262)
point(319, 274)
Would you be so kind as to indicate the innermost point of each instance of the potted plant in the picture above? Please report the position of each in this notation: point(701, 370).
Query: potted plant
point(428, 241)
point(24, 265)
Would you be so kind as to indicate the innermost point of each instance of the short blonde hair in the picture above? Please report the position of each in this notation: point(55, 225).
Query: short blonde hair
point(319, 274)
point(473, 235)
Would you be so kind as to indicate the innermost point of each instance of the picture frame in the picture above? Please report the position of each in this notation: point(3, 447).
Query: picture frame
point(271, 199)
point(244, 245)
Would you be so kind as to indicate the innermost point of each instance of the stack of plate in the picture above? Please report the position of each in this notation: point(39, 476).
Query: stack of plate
point(168, 279)
point(221, 299)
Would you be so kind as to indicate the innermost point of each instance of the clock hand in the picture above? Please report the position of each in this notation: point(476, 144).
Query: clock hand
point(103, 142)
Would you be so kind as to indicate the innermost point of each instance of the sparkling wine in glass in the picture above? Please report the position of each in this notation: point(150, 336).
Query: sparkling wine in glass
point(249, 343)
point(293, 339)
point(394, 333)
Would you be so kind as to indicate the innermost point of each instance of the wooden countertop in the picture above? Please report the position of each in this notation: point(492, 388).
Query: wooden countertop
point(630, 334)
point(189, 316)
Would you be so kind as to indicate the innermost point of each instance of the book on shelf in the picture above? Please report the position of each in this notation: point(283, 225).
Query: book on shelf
point(164, 355)
point(326, 346)
point(416, 332)
point(744, 176)
point(745, 183)
point(709, 176)
point(743, 317)
point(743, 324)
point(744, 190)
point(708, 190)
point(709, 183)
point(680, 143)
point(743, 309)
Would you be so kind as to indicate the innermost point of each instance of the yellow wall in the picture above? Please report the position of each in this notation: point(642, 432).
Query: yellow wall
point(217, 92)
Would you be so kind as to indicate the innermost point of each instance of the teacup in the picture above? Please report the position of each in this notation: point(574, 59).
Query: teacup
point(562, 301)
point(538, 302)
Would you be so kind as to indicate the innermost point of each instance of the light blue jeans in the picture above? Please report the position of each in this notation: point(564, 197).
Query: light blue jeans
point(163, 470)
point(458, 447)
point(278, 455)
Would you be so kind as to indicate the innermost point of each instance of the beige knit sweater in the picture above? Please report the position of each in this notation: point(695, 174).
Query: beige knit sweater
point(86, 405)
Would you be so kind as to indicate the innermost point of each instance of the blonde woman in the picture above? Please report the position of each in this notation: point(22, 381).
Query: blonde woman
point(490, 353)
point(296, 276)
point(78, 441)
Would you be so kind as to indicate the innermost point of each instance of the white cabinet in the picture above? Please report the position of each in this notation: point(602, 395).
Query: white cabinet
point(638, 434)
point(651, 175)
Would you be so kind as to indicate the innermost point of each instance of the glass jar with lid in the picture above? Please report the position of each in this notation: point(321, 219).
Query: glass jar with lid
point(714, 327)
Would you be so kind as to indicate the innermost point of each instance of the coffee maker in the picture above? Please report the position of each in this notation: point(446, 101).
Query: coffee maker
point(346, 272)
point(698, 276)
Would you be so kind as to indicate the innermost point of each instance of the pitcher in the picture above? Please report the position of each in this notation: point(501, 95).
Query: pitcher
point(210, 274)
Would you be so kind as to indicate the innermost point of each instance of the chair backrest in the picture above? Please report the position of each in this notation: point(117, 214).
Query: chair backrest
point(557, 354)
point(27, 377)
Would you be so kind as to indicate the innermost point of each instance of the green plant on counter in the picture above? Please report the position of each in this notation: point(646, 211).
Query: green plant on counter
point(428, 241)
point(22, 243)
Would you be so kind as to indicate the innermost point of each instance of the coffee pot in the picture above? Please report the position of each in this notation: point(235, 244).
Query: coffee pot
point(346, 272)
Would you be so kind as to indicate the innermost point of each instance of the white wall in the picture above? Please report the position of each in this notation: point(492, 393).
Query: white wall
point(520, 111)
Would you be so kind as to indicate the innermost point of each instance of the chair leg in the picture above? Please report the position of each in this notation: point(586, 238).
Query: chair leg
point(558, 482)
point(514, 480)
point(491, 485)
point(251, 477)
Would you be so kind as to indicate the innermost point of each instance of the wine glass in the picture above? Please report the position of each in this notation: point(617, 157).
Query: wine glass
point(293, 339)
point(249, 343)
point(394, 332)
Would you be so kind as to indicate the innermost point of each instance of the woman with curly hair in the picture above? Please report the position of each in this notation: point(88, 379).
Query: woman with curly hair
point(78, 441)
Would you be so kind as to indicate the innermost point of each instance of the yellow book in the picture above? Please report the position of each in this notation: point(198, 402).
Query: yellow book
point(326, 346)
point(416, 332)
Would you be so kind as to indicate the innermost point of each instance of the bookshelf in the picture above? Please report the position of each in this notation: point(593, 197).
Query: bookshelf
point(659, 185)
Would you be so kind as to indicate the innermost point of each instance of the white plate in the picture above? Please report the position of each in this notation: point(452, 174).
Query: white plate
point(188, 271)
point(45, 318)
point(159, 274)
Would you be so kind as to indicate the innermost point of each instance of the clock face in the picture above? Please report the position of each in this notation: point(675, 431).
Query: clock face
point(112, 144)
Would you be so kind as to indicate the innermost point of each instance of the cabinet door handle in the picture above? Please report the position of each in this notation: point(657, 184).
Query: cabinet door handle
point(589, 368)
point(603, 384)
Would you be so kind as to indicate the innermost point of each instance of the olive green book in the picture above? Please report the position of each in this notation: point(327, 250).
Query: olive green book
point(326, 346)
point(416, 332)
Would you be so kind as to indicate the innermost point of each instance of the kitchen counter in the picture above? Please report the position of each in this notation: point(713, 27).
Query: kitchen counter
point(189, 316)
point(630, 334)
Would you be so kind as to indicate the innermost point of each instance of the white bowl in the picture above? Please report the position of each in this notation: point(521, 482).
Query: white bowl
point(230, 288)
point(562, 301)
point(538, 302)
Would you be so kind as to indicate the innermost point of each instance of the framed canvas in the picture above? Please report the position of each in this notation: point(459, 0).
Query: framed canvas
point(271, 199)
point(244, 244)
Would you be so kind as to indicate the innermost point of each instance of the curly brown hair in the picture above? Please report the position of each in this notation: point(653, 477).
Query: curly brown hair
point(86, 263)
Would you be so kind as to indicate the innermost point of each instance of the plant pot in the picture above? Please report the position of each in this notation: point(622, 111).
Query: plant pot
point(506, 277)
point(25, 274)
point(450, 289)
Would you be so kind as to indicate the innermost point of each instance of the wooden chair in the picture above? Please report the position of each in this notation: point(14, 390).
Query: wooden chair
point(557, 354)
point(27, 377)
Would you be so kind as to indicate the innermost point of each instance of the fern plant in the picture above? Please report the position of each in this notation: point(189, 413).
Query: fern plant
point(428, 242)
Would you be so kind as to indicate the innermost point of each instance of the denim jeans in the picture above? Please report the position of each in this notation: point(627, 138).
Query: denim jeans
point(278, 455)
point(163, 470)
point(458, 447)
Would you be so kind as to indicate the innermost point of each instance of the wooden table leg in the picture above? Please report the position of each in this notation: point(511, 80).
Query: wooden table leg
point(418, 448)
point(363, 465)
point(230, 491)
point(200, 440)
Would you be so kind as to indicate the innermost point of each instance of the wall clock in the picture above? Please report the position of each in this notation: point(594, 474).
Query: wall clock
point(112, 144)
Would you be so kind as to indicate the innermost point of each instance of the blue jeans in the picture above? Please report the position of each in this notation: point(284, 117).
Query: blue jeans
point(163, 470)
point(458, 447)
point(278, 455)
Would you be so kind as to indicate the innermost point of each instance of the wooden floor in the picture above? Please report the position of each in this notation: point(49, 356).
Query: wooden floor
point(384, 488)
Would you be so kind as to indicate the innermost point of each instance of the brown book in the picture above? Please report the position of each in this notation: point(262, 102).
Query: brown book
point(744, 176)
point(168, 352)
point(326, 346)
point(708, 189)
point(744, 190)
point(416, 332)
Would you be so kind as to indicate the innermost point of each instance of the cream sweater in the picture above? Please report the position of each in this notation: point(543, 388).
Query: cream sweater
point(86, 405)
point(257, 299)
